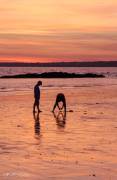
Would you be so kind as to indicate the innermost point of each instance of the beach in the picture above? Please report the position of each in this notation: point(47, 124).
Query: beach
point(83, 147)
point(59, 54)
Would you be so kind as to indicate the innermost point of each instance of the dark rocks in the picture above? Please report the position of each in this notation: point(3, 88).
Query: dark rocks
point(56, 75)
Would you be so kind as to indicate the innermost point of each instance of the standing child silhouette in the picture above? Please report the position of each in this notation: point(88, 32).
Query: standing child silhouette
point(37, 96)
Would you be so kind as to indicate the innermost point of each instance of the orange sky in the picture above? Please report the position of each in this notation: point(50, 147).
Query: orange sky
point(64, 30)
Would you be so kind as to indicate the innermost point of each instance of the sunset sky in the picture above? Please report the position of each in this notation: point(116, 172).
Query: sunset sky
point(64, 30)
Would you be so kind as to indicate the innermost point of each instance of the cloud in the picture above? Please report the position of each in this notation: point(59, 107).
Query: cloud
point(63, 46)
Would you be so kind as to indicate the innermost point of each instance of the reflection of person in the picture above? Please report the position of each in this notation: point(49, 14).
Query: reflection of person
point(37, 96)
point(60, 118)
point(37, 123)
point(60, 98)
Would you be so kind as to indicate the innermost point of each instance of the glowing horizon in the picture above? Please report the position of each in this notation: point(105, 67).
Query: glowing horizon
point(49, 31)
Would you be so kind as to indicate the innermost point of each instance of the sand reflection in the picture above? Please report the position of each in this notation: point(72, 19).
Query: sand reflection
point(60, 118)
point(36, 125)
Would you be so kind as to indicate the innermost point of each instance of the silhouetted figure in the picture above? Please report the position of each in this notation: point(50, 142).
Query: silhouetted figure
point(37, 123)
point(60, 118)
point(60, 98)
point(37, 96)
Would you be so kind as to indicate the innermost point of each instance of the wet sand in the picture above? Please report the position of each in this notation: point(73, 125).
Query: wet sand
point(83, 146)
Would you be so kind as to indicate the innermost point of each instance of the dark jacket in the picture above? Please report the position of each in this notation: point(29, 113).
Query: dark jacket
point(36, 92)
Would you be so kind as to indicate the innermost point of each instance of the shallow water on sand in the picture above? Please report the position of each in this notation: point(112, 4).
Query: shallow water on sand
point(82, 146)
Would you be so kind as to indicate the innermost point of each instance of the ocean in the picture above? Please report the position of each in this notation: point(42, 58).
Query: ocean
point(19, 85)
point(107, 71)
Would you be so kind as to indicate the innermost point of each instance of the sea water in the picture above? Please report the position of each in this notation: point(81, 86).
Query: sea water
point(18, 85)
point(107, 71)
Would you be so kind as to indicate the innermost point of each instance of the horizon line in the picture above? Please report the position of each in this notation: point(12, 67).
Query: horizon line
point(19, 62)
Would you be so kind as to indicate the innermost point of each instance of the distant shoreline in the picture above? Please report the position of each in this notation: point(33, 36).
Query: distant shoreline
point(55, 75)
point(61, 64)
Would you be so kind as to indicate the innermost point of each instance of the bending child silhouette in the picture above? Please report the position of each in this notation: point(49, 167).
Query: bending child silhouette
point(60, 98)
point(37, 96)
